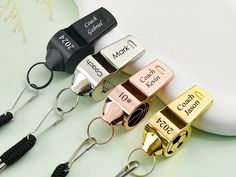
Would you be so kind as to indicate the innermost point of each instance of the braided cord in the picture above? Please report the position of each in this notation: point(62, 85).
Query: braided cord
point(17, 151)
point(5, 118)
point(61, 170)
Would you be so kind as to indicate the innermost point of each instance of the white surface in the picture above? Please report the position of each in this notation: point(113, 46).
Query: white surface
point(196, 39)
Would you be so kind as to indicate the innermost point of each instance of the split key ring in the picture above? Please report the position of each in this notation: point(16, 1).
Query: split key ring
point(34, 85)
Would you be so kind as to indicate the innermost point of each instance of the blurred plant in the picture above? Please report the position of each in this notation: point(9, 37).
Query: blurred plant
point(49, 6)
point(10, 12)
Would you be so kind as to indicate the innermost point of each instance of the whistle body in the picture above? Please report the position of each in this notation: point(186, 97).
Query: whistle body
point(131, 100)
point(169, 129)
point(102, 71)
point(69, 46)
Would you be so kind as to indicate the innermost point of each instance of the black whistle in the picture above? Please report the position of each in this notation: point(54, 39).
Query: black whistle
point(69, 46)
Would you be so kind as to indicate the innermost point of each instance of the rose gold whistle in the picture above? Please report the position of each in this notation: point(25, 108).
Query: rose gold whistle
point(128, 103)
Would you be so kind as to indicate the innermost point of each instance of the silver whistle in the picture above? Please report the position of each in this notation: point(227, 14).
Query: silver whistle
point(98, 74)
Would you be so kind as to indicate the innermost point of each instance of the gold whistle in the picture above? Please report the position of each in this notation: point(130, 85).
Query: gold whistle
point(169, 129)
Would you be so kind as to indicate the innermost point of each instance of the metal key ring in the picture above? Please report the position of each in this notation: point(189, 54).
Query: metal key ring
point(153, 166)
point(34, 85)
point(60, 110)
point(102, 142)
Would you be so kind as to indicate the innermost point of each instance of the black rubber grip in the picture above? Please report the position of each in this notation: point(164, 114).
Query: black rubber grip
point(5, 118)
point(19, 150)
point(61, 170)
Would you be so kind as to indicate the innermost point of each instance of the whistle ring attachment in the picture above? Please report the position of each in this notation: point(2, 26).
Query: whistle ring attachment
point(131, 166)
point(34, 85)
point(153, 165)
point(60, 110)
point(101, 142)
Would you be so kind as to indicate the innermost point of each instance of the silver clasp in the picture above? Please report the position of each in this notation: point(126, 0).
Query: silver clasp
point(51, 124)
point(14, 108)
point(131, 166)
point(2, 166)
point(86, 145)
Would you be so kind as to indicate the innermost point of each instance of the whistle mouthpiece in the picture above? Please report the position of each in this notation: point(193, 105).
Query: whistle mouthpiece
point(112, 112)
point(80, 84)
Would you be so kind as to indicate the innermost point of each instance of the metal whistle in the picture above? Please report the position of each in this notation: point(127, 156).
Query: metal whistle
point(169, 129)
point(98, 74)
point(129, 102)
point(69, 46)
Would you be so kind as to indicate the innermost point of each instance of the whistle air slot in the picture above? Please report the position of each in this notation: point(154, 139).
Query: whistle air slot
point(135, 91)
point(76, 36)
point(138, 115)
point(173, 118)
point(103, 62)
point(141, 110)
